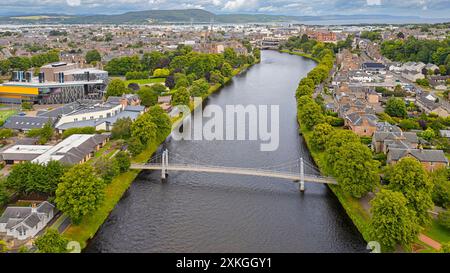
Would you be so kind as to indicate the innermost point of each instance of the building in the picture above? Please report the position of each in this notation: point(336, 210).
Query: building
point(98, 114)
point(374, 68)
point(384, 140)
point(75, 149)
point(26, 123)
point(412, 75)
point(361, 124)
point(23, 223)
point(431, 104)
point(57, 83)
point(431, 159)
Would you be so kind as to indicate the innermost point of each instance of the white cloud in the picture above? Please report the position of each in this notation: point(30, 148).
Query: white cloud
point(235, 5)
point(73, 3)
point(373, 2)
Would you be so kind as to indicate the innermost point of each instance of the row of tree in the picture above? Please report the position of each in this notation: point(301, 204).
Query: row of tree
point(426, 51)
point(25, 63)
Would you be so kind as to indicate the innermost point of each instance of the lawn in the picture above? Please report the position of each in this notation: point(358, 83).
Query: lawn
point(113, 193)
point(146, 81)
point(437, 232)
point(5, 114)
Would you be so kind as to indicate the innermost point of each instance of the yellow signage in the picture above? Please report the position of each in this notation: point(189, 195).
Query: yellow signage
point(19, 90)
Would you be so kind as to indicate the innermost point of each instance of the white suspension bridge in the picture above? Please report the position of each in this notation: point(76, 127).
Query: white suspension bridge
point(293, 170)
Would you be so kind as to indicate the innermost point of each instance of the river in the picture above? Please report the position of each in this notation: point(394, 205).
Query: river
point(197, 212)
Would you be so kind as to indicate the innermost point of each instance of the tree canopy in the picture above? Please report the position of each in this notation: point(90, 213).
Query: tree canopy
point(80, 192)
point(392, 222)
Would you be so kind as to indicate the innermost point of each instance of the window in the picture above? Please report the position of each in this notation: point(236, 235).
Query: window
point(92, 117)
point(75, 119)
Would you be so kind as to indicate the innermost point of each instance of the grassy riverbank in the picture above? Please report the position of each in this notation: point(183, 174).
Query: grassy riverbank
point(352, 206)
point(91, 223)
point(301, 54)
point(359, 216)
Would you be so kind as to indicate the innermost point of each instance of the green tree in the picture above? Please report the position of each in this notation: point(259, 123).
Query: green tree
point(355, 170)
point(120, 66)
point(93, 56)
point(148, 96)
point(428, 134)
point(123, 161)
point(445, 247)
point(80, 192)
point(53, 171)
point(392, 222)
point(321, 134)
point(336, 140)
point(122, 128)
point(409, 177)
point(161, 73)
point(3, 247)
point(135, 146)
point(28, 177)
point(51, 242)
point(6, 133)
point(181, 80)
point(159, 88)
point(181, 97)
point(107, 168)
point(4, 196)
point(395, 107)
point(227, 70)
point(311, 114)
point(441, 187)
point(116, 88)
point(161, 120)
point(216, 77)
point(444, 219)
point(78, 130)
point(304, 90)
point(144, 129)
point(199, 88)
point(230, 56)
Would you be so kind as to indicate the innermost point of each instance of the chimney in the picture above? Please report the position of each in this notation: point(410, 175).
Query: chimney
point(33, 208)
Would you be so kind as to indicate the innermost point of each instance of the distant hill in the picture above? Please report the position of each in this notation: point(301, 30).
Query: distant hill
point(173, 16)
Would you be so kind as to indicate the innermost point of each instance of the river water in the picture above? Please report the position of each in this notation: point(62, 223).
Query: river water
point(198, 212)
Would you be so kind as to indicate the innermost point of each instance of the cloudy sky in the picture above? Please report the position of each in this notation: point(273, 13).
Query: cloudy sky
point(423, 8)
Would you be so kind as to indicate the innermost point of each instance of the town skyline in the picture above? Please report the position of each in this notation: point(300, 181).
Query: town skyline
point(419, 8)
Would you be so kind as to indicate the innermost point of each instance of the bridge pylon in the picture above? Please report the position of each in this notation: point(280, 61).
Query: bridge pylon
point(302, 176)
point(164, 164)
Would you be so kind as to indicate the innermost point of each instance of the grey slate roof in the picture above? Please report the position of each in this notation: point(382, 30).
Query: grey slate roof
point(357, 119)
point(26, 122)
point(32, 220)
point(421, 155)
point(95, 122)
point(24, 216)
point(408, 136)
point(76, 154)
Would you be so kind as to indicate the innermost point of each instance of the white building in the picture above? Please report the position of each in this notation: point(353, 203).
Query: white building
point(25, 222)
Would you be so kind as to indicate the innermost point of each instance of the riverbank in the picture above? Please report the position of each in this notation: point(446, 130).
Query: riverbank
point(301, 54)
point(114, 191)
point(356, 212)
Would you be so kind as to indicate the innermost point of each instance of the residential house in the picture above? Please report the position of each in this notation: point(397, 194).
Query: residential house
point(431, 159)
point(361, 124)
point(23, 223)
point(75, 149)
point(429, 103)
point(393, 137)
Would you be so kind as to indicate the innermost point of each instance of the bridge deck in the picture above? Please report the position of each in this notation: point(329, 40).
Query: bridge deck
point(233, 170)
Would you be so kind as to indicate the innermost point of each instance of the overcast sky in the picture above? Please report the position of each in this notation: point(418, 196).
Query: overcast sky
point(423, 8)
